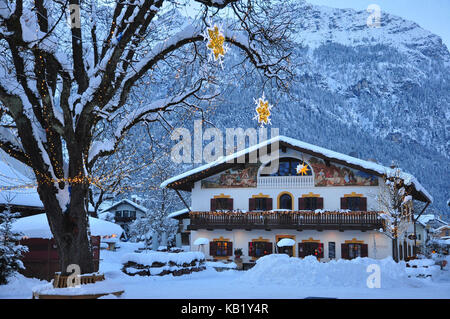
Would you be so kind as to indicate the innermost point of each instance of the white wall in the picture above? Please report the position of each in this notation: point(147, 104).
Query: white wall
point(379, 245)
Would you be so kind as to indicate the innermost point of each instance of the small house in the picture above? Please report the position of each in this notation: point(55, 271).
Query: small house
point(42, 261)
point(123, 213)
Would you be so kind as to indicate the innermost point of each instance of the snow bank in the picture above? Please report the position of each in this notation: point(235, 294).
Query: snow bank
point(100, 287)
point(147, 259)
point(421, 262)
point(308, 272)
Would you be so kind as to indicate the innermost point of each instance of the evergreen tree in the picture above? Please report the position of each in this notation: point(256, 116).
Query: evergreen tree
point(10, 251)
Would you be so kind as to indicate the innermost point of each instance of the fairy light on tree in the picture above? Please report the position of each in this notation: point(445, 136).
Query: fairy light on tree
point(57, 96)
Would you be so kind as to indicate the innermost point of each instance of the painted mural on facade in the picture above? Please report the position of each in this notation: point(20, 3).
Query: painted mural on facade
point(233, 177)
point(336, 175)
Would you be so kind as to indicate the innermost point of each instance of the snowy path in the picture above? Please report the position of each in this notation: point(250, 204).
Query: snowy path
point(223, 285)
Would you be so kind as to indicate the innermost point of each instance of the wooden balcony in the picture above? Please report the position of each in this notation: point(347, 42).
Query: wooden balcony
point(299, 220)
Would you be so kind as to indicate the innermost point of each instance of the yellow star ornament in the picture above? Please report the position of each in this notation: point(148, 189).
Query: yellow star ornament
point(263, 111)
point(302, 169)
point(216, 41)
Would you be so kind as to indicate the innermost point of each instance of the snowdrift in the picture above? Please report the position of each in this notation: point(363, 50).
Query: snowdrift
point(308, 272)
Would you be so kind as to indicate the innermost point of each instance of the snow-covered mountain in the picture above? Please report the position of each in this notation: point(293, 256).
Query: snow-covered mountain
point(380, 93)
point(394, 80)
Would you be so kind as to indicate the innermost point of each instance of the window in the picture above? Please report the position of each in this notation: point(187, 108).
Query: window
point(288, 167)
point(260, 203)
point(185, 239)
point(133, 214)
point(221, 204)
point(332, 250)
point(310, 203)
point(353, 250)
point(220, 248)
point(118, 214)
point(310, 249)
point(259, 248)
point(354, 203)
point(285, 202)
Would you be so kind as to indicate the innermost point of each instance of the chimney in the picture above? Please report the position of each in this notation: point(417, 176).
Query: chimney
point(393, 164)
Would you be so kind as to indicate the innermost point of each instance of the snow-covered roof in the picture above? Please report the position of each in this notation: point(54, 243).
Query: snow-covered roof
point(425, 219)
point(36, 226)
point(17, 187)
point(442, 228)
point(201, 241)
point(178, 213)
point(308, 148)
point(286, 242)
point(124, 201)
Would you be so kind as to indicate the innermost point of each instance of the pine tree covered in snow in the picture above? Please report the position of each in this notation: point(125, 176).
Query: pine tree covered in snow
point(10, 251)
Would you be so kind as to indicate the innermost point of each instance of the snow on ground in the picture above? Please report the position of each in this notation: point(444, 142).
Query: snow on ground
point(276, 276)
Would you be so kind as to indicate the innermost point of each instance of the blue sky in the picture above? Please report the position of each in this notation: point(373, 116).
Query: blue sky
point(432, 15)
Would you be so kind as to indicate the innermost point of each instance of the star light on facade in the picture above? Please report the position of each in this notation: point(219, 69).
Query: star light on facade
point(302, 169)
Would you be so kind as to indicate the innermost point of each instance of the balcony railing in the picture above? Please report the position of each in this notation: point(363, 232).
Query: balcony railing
point(286, 220)
point(285, 181)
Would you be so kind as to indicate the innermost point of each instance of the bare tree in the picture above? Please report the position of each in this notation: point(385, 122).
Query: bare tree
point(396, 204)
point(60, 83)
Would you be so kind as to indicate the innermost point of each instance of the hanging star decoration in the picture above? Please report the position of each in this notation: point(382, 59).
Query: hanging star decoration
point(216, 43)
point(302, 169)
point(263, 111)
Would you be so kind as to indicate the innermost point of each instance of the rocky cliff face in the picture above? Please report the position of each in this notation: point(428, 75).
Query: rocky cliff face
point(379, 93)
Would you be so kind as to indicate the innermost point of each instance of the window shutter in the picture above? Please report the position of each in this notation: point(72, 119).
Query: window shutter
point(363, 204)
point(213, 204)
point(344, 251)
point(344, 203)
point(301, 204)
point(320, 255)
point(269, 247)
point(229, 248)
point(229, 203)
point(301, 250)
point(251, 204)
point(212, 248)
point(364, 250)
point(250, 249)
point(269, 203)
point(319, 202)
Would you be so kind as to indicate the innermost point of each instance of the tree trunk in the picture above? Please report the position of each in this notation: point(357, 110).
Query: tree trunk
point(395, 249)
point(69, 227)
